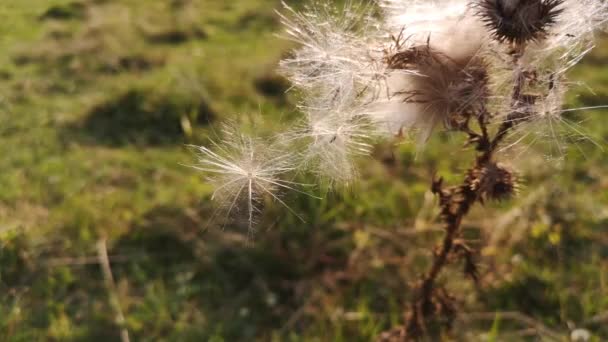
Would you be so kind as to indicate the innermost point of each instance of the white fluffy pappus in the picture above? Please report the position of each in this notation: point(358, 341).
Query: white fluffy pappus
point(332, 138)
point(421, 16)
point(572, 36)
point(335, 56)
point(243, 170)
point(568, 40)
point(449, 26)
point(335, 143)
point(542, 125)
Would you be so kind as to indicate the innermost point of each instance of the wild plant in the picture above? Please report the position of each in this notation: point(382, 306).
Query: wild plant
point(492, 70)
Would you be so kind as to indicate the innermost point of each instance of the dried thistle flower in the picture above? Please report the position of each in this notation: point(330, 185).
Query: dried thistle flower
point(434, 56)
point(518, 21)
point(493, 181)
point(442, 89)
point(436, 88)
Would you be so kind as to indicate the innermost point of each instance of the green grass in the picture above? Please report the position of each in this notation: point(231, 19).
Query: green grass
point(98, 99)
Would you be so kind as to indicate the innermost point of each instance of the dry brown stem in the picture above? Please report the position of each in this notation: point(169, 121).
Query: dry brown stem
point(432, 304)
point(104, 262)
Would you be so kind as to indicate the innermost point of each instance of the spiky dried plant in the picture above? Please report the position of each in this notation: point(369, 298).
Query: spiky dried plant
point(493, 70)
point(518, 21)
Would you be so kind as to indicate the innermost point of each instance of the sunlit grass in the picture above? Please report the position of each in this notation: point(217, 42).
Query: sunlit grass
point(342, 274)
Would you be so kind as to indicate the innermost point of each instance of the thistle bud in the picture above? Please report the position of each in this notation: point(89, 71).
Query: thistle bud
point(518, 21)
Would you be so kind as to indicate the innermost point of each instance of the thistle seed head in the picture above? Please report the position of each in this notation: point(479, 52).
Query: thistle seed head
point(518, 21)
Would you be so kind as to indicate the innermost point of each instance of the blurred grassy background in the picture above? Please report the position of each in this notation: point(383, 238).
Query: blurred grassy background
point(98, 99)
